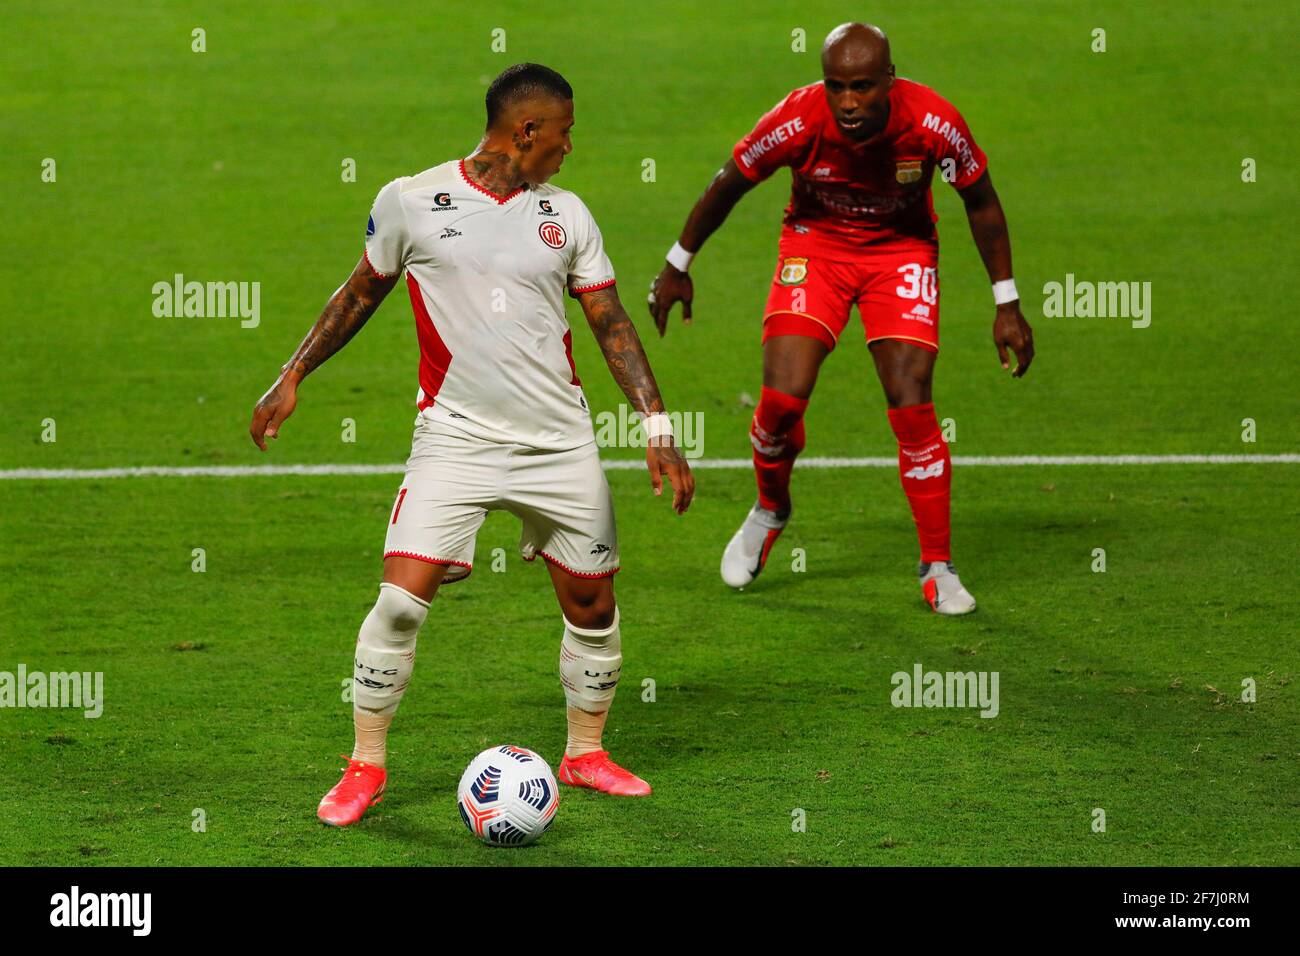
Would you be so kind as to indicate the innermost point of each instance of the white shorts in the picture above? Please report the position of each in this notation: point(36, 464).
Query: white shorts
point(452, 481)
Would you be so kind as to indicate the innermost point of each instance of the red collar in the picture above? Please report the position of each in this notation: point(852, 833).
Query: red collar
point(487, 192)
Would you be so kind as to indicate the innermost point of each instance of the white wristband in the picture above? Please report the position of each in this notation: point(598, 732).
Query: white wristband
point(679, 258)
point(657, 425)
point(1005, 291)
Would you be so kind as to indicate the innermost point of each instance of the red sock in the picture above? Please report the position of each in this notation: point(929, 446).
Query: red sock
point(926, 471)
point(778, 437)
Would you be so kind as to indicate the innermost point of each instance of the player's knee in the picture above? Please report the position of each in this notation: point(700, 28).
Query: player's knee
point(385, 653)
point(398, 614)
point(594, 610)
point(791, 382)
point(902, 393)
point(591, 661)
point(905, 371)
point(904, 390)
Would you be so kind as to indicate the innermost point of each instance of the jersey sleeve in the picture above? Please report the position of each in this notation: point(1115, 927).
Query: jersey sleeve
point(387, 238)
point(776, 140)
point(589, 269)
point(958, 150)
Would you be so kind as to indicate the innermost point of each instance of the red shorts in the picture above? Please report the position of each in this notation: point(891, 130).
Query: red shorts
point(897, 293)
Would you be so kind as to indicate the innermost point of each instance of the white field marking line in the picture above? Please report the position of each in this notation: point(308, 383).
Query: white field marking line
point(965, 461)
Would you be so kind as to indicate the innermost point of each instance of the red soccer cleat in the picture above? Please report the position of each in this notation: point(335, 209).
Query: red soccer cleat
point(597, 771)
point(360, 789)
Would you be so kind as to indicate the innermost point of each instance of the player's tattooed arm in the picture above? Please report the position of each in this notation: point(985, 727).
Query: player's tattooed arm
point(347, 310)
point(628, 364)
point(988, 227)
point(726, 188)
point(621, 344)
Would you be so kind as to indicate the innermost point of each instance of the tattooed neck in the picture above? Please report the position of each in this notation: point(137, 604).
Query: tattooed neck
point(496, 172)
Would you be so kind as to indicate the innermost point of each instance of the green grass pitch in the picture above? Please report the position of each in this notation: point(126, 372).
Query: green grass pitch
point(1119, 691)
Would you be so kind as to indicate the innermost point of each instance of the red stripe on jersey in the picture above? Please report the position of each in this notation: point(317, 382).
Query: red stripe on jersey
point(501, 200)
point(435, 357)
point(578, 290)
point(568, 353)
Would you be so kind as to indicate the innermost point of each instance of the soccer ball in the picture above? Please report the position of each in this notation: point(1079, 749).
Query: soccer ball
point(507, 796)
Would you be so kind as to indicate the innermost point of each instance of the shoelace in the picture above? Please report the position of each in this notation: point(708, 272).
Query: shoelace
point(351, 774)
point(599, 760)
point(596, 756)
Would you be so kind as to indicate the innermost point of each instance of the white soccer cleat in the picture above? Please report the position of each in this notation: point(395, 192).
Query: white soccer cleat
point(749, 547)
point(942, 589)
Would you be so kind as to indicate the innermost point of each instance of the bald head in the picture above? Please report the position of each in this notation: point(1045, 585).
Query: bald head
point(858, 73)
point(856, 46)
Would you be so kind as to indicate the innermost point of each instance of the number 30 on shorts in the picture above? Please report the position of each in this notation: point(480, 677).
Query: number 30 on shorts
point(922, 283)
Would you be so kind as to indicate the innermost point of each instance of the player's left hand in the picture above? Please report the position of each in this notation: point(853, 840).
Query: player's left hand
point(663, 458)
point(1011, 331)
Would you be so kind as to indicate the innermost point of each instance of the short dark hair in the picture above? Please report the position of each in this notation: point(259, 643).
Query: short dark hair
point(520, 82)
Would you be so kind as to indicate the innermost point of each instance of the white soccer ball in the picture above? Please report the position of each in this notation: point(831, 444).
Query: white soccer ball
point(507, 796)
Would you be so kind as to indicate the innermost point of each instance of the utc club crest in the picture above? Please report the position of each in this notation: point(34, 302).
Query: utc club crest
point(793, 271)
point(552, 234)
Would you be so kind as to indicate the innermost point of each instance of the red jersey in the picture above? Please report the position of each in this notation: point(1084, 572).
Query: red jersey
point(845, 195)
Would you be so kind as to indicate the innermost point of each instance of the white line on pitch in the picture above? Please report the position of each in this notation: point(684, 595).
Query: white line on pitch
point(622, 464)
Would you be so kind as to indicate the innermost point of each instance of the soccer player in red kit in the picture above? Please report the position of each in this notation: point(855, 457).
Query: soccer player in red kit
point(862, 147)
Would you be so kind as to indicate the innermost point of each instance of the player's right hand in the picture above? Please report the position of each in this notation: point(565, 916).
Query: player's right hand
point(271, 410)
point(671, 286)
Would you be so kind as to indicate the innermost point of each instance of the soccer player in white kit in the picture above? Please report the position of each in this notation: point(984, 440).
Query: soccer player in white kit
point(489, 249)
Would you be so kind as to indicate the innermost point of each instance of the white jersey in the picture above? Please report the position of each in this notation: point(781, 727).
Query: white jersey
point(487, 278)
